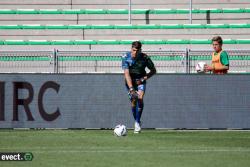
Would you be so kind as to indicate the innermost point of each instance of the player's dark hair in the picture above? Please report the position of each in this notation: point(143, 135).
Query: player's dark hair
point(218, 39)
point(137, 45)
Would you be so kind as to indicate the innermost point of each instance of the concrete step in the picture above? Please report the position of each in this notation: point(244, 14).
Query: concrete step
point(118, 47)
point(34, 6)
point(122, 2)
point(160, 37)
point(162, 2)
point(42, 32)
point(35, 2)
point(42, 17)
point(120, 34)
point(123, 19)
point(110, 4)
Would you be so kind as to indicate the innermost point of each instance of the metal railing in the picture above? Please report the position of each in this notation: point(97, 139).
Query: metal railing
point(57, 61)
point(110, 61)
point(27, 61)
point(239, 60)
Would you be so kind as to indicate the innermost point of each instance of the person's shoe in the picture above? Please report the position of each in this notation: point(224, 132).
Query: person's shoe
point(137, 128)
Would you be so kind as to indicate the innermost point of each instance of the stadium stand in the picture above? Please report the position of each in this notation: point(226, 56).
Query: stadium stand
point(145, 13)
point(119, 4)
point(119, 16)
point(120, 32)
point(118, 42)
point(103, 25)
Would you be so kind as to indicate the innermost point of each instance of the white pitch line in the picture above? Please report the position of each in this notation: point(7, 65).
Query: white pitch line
point(120, 148)
point(106, 150)
point(136, 151)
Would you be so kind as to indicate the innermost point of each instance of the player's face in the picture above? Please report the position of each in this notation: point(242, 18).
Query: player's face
point(133, 52)
point(217, 47)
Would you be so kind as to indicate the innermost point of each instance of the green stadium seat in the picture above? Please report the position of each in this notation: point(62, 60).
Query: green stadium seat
point(38, 42)
point(107, 42)
point(71, 11)
point(239, 25)
point(118, 42)
point(95, 11)
point(153, 42)
point(117, 11)
point(79, 26)
point(102, 26)
point(123, 11)
point(85, 42)
point(127, 26)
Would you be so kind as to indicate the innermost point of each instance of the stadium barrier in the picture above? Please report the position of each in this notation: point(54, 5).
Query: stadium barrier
point(62, 61)
point(86, 101)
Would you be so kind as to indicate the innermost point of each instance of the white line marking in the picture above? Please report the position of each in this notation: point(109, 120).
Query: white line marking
point(127, 150)
point(136, 151)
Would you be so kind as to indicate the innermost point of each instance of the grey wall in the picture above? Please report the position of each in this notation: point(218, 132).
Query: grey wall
point(100, 101)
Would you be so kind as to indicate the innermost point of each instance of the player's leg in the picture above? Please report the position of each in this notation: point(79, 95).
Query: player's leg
point(141, 91)
point(140, 105)
point(133, 103)
point(134, 107)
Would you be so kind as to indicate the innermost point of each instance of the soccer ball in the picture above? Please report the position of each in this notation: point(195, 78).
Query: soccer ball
point(200, 66)
point(120, 130)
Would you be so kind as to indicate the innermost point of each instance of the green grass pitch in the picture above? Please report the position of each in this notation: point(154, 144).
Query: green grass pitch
point(100, 148)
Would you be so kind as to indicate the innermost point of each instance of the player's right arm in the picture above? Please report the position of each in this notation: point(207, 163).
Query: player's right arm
point(125, 67)
point(128, 78)
point(208, 68)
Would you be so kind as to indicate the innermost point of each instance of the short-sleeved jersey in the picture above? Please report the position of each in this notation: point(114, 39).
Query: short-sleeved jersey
point(223, 58)
point(137, 65)
point(219, 60)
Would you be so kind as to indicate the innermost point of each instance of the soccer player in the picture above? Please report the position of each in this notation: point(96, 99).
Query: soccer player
point(134, 64)
point(220, 61)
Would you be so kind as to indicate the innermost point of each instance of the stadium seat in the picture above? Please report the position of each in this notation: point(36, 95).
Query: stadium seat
point(123, 11)
point(117, 42)
point(128, 26)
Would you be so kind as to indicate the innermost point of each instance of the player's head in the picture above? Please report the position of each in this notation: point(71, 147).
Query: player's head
point(217, 43)
point(136, 48)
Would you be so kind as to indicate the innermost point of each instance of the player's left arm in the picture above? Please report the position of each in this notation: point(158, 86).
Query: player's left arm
point(224, 61)
point(150, 65)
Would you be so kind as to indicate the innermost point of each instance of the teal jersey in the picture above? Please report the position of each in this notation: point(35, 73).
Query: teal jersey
point(138, 65)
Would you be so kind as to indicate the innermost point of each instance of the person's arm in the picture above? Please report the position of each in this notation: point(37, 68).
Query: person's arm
point(212, 67)
point(128, 78)
point(208, 68)
point(224, 61)
point(221, 68)
point(151, 67)
point(125, 67)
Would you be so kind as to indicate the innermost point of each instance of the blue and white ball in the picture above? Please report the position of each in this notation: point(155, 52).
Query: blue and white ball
point(120, 130)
